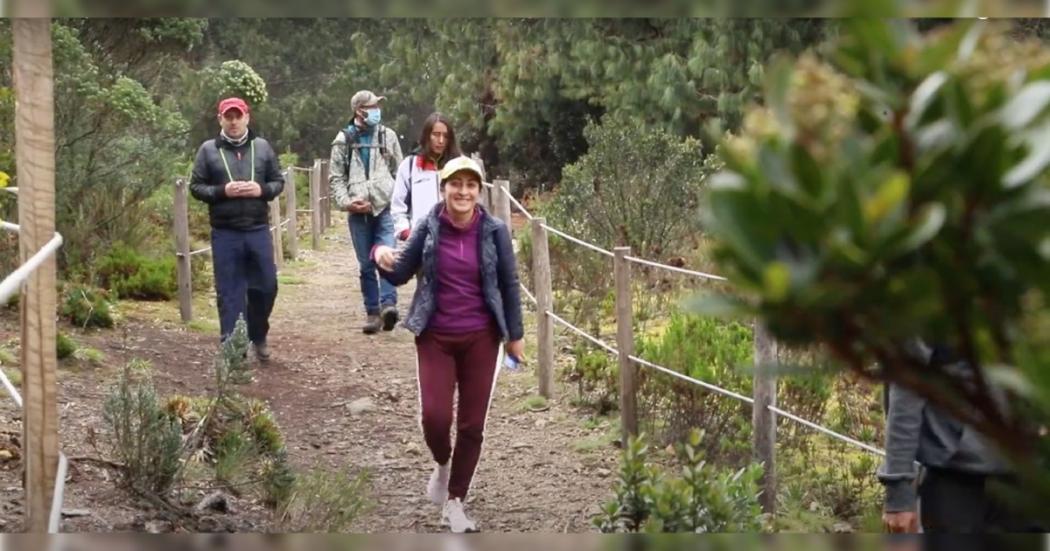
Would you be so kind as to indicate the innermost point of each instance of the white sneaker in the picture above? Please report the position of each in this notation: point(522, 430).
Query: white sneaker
point(437, 488)
point(453, 516)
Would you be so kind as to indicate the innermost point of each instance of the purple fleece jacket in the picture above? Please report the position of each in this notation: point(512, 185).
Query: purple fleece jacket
point(460, 302)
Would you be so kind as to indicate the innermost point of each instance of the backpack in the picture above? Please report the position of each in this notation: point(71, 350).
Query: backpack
point(384, 150)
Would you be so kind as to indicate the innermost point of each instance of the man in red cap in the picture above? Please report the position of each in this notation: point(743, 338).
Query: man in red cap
point(237, 174)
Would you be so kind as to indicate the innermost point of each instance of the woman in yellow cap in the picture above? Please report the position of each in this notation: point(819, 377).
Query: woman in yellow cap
point(467, 304)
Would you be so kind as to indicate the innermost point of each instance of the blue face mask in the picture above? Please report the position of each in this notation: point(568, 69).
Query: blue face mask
point(374, 116)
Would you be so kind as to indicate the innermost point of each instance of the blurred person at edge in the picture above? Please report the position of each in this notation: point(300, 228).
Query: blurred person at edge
point(963, 481)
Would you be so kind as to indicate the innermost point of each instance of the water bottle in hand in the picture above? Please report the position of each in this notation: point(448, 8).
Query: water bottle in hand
point(511, 363)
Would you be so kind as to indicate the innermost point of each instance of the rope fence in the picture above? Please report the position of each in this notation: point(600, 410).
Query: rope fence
point(694, 273)
point(8, 287)
point(764, 386)
point(580, 242)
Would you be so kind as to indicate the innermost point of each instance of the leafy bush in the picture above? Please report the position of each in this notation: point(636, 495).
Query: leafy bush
point(87, 307)
point(900, 193)
point(701, 500)
point(709, 350)
point(146, 439)
point(65, 346)
point(597, 377)
point(130, 274)
point(636, 186)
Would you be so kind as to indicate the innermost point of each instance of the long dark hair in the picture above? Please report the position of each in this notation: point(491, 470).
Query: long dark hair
point(451, 149)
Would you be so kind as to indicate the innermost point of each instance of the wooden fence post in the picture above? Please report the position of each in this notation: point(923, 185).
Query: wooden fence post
point(183, 272)
point(315, 205)
point(326, 210)
point(625, 344)
point(541, 273)
point(33, 80)
point(275, 221)
point(763, 420)
point(502, 197)
point(290, 207)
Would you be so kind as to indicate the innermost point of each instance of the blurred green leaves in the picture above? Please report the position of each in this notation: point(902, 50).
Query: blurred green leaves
point(896, 189)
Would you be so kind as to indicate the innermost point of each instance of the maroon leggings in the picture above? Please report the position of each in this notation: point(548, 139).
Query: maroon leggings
point(447, 361)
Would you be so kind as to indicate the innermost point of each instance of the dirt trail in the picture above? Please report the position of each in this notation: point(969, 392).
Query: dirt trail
point(539, 471)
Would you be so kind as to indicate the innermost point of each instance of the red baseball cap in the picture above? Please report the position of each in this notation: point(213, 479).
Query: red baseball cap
point(232, 103)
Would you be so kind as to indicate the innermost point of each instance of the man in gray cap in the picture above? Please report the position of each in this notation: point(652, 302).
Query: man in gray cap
point(364, 157)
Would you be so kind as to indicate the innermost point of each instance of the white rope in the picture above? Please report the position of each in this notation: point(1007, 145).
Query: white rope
point(577, 241)
point(488, 184)
point(10, 285)
point(674, 269)
point(7, 288)
point(196, 252)
point(717, 389)
point(11, 389)
point(304, 210)
point(708, 386)
point(13, 190)
point(828, 432)
point(583, 334)
point(528, 294)
point(56, 498)
point(520, 207)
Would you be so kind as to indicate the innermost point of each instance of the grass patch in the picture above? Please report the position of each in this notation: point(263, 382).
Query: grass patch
point(207, 326)
point(286, 279)
point(90, 355)
point(326, 501)
point(8, 356)
point(65, 346)
point(14, 375)
point(598, 442)
point(534, 403)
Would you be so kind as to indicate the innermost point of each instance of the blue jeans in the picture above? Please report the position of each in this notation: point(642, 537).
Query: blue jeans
point(367, 231)
point(245, 279)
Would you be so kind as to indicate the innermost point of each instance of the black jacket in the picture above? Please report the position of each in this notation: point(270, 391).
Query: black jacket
point(210, 177)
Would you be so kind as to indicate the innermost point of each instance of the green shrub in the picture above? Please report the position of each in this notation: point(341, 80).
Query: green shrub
point(597, 377)
point(87, 307)
point(325, 501)
point(702, 499)
point(132, 275)
point(278, 480)
point(65, 346)
point(710, 350)
point(233, 453)
point(146, 439)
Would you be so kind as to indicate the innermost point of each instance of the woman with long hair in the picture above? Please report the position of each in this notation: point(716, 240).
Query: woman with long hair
point(416, 187)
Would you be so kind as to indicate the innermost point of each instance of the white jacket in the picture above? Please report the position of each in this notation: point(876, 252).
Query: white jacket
point(416, 191)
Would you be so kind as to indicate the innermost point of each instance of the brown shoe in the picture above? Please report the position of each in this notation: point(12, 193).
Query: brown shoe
point(372, 324)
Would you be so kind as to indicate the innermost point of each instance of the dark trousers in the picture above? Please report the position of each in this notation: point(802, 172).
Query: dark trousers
point(958, 502)
point(245, 279)
point(447, 362)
